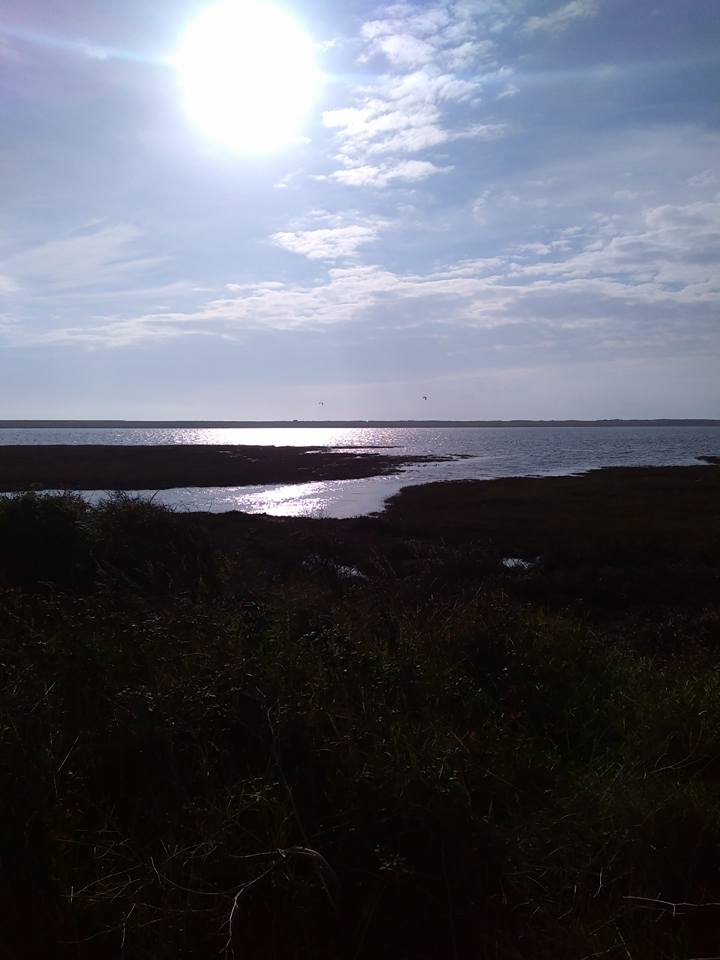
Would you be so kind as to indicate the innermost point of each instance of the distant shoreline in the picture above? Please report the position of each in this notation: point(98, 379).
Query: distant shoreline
point(335, 424)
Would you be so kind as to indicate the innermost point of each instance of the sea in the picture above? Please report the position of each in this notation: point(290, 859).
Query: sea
point(482, 453)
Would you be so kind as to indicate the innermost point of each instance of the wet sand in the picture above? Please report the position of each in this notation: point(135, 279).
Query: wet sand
point(111, 467)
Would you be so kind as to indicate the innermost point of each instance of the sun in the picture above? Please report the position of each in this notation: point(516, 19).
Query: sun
point(248, 75)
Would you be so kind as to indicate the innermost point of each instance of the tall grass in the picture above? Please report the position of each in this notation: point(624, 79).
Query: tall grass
point(201, 757)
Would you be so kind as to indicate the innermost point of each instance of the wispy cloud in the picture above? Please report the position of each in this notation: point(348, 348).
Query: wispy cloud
point(405, 171)
point(8, 285)
point(561, 18)
point(669, 258)
point(90, 257)
point(707, 178)
point(511, 90)
point(616, 291)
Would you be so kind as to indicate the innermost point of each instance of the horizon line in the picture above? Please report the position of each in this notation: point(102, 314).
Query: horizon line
point(249, 424)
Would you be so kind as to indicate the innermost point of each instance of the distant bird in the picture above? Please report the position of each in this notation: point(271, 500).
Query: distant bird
point(321, 403)
point(424, 397)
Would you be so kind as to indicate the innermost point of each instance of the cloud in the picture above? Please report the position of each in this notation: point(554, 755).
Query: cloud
point(348, 294)
point(403, 50)
point(330, 243)
point(511, 90)
point(705, 179)
point(91, 257)
point(284, 182)
point(373, 126)
point(593, 290)
point(401, 113)
point(437, 62)
point(563, 17)
point(406, 171)
point(8, 285)
point(416, 138)
point(410, 36)
point(670, 258)
point(421, 22)
point(533, 249)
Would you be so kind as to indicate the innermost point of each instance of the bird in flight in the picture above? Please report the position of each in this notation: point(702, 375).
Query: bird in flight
point(321, 403)
point(424, 397)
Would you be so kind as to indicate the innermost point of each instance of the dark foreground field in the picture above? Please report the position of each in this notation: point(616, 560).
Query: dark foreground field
point(241, 736)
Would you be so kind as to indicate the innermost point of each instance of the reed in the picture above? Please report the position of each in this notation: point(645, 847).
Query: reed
point(209, 746)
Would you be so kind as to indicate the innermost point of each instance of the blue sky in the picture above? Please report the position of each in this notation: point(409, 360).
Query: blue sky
point(510, 206)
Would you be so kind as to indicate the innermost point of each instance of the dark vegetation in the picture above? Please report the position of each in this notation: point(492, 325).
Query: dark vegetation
point(233, 735)
point(162, 466)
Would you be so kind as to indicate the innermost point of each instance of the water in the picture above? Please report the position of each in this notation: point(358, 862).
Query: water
point(491, 452)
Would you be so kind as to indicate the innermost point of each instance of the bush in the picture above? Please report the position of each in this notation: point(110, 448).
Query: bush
point(60, 542)
point(45, 540)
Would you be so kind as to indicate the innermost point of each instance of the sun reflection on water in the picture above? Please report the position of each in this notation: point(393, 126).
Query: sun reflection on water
point(294, 436)
point(298, 500)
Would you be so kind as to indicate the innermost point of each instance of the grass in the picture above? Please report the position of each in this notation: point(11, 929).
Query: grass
point(210, 748)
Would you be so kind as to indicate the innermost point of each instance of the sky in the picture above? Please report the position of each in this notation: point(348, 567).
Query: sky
point(510, 207)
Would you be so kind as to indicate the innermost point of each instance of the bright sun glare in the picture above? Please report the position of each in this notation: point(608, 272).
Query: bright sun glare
point(248, 74)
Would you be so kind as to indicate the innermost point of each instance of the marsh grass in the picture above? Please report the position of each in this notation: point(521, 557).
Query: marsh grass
point(209, 753)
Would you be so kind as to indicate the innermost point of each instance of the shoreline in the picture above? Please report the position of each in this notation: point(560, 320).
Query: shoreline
point(96, 468)
point(522, 517)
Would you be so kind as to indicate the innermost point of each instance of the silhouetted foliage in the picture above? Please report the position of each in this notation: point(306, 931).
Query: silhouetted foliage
point(44, 540)
point(215, 736)
point(59, 542)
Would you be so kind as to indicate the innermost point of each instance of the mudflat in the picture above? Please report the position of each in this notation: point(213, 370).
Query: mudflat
point(115, 467)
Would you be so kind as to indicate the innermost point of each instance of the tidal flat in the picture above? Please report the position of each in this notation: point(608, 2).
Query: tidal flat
point(162, 466)
point(244, 735)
